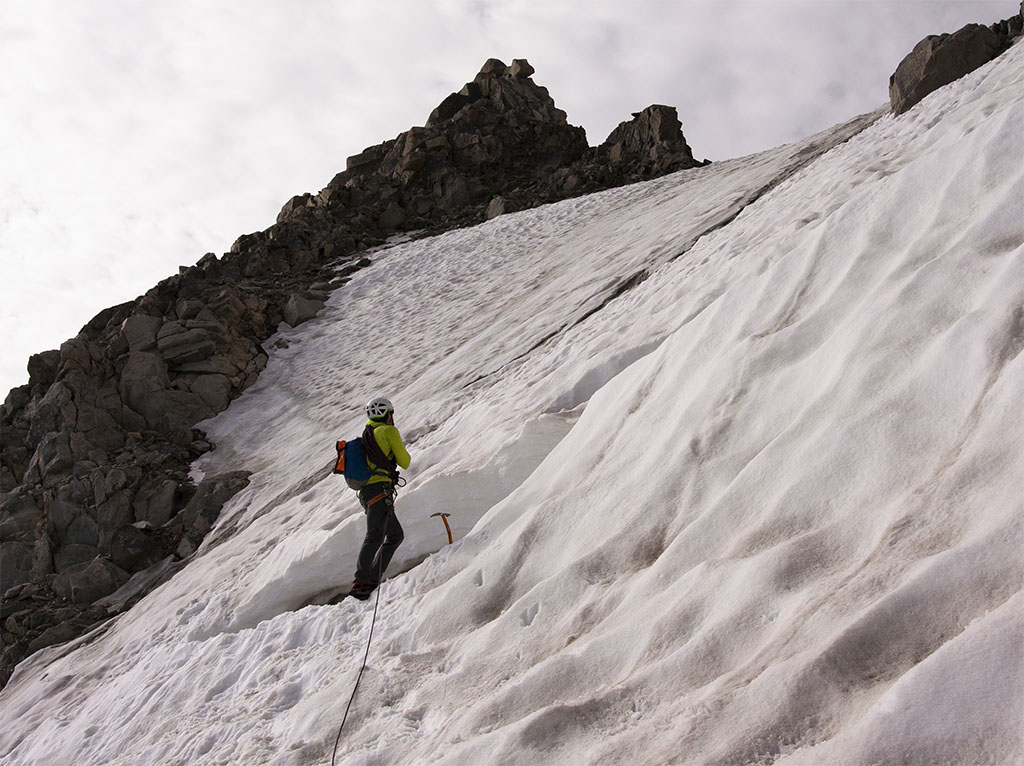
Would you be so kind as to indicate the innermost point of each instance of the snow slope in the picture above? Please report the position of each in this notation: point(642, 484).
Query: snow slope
point(734, 459)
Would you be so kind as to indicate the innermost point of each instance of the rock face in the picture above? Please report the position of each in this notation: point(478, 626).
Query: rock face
point(652, 141)
point(501, 135)
point(96, 505)
point(940, 59)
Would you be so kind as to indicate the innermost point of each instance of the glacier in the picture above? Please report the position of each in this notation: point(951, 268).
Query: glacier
point(734, 461)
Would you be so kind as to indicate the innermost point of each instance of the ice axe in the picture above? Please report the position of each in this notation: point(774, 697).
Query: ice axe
point(444, 518)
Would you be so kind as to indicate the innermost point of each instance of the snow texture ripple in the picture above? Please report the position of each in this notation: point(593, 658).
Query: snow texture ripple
point(734, 463)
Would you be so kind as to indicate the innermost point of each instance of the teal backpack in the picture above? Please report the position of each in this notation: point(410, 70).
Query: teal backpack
point(352, 462)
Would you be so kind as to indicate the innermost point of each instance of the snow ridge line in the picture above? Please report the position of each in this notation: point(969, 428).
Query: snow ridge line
point(804, 159)
point(621, 289)
point(1011, 347)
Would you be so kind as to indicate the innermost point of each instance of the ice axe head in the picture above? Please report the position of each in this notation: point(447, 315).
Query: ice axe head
point(444, 518)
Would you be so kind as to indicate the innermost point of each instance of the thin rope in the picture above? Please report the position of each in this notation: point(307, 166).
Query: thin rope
point(358, 677)
point(369, 638)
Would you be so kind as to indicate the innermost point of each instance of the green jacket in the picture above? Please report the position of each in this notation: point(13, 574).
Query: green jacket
point(390, 441)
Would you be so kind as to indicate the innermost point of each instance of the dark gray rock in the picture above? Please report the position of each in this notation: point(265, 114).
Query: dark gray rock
point(112, 514)
point(155, 501)
point(65, 625)
point(493, 67)
point(72, 556)
point(52, 456)
point(175, 412)
point(42, 558)
point(521, 68)
point(19, 516)
point(86, 583)
point(652, 140)
point(178, 344)
point(215, 365)
point(197, 518)
point(60, 633)
point(941, 59)
point(214, 390)
point(61, 511)
point(16, 401)
point(15, 564)
point(115, 479)
point(300, 309)
point(98, 428)
point(394, 216)
point(452, 191)
point(21, 597)
point(143, 375)
point(140, 331)
point(138, 546)
point(501, 123)
point(367, 158)
point(452, 105)
point(82, 530)
point(139, 585)
point(78, 352)
point(294, 204)
point(189, 309)
point(42, 369)
point(496, 207)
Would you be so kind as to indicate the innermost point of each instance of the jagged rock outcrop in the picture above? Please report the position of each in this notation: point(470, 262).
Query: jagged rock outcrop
point(500, 136)
point(97, 507)
point(652, 141)
point(941, 59)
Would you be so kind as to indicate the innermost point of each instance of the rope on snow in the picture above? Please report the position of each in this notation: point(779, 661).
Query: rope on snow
point(352, 696)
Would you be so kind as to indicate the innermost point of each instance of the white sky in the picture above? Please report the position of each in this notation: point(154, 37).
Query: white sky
point(137, 136)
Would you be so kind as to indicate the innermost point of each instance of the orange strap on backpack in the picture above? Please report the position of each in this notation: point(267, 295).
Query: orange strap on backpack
point(339, 467)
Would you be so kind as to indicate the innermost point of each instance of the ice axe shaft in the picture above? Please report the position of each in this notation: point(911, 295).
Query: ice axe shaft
point(448, 529)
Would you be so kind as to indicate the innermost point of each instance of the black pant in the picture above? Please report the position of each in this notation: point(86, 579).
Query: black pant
point(383, 532)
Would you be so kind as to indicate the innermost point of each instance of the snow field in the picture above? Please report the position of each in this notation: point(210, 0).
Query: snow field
point(764, 507)
point(868, 544)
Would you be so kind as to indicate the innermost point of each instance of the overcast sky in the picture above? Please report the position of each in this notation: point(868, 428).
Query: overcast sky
point(139, 135)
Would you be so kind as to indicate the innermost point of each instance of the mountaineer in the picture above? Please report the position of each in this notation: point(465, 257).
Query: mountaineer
point(385, 453)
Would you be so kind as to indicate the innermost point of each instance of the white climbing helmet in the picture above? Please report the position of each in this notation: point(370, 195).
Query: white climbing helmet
point(379, 407)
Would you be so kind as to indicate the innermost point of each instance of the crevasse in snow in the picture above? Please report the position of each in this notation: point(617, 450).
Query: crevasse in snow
point(762, 506)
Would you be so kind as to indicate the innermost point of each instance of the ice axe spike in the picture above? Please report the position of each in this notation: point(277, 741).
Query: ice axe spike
point(444, 518)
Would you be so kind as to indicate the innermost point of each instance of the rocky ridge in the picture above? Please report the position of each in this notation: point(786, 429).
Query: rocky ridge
point(97, 507)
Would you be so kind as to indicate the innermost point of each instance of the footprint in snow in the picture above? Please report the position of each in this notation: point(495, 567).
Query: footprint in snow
point(528, 615)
